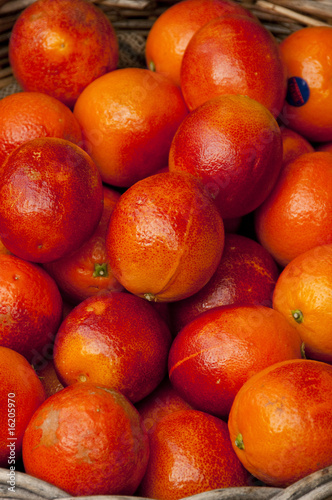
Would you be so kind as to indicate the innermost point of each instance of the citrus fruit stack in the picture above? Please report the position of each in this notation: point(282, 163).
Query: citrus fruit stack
point(166, 253)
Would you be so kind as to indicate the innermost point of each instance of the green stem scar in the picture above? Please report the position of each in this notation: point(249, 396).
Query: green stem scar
point(297, 315)
point(100, 271)
point(239, 441)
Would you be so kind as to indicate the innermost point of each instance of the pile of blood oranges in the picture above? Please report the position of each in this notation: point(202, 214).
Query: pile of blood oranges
point(166, 253)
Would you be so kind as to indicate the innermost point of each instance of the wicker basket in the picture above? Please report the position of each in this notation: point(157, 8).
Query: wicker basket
point(132, 20)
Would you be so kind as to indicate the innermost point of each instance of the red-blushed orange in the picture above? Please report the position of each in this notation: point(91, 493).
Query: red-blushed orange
point(233, 144)
point(20, 396)
point(59, 46)
point(128, 119)
point(294, 144)
point(165, 237)
point(51, 199)
point(87, 439)
point(234, 54)
point(30, 307)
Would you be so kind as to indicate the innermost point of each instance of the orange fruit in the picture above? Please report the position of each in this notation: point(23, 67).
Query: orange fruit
point(246, 274)
point(115, 339)
point(87, 439)
point(27, 115)
point(308, 107)
point(190, 453)
point(51, 199)
point(171, 32)
point(297, 215)
point(31, 307)
point(303, 294)
point(160, 402)
point(294, 144)
point(128, 118)
point(233, 54)
point(165, 237)
point(49, 378)
point(233, 145)
point(86, 271)
point(213, 355)
point(59, 46)
point(280, 419)
point(20, 396)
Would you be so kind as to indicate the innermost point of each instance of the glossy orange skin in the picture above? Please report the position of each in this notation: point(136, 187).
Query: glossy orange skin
point(27, 115)
point(297, 215)
point(303, 294)
point(212, 357)
point(284, 414)
point(173, 29)
point(51, 199)
point(162, 401)
point(115, 339)
point(165, 237)
point(190, 453)
point(59, 46)
point(87, 439)
point(246, 274)
point(31, 307)
point(294, 144)
point(128, 118)
point(86, 272)
point(20, 396)
point(233, 55)
point(307, 54)
point(233, 145)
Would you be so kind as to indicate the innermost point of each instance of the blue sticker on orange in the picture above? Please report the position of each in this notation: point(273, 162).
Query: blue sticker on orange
point(297, 91)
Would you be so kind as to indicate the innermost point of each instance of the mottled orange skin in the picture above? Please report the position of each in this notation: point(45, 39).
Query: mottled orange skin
point(87, 439)
point(128, 118)
point(27, 115)
point(297, 215)
point(284, 414)
point(233, 145)
point(190, 453)
point(307, 54)
point(115, 339)
point(303, 294)
point(165, 237)
point(86, 272)
point(51, 199)
point(20, 396)
point(246, 274)
point(294, 145)
point(59, 46)
point(30, 307)
point(233, 55)
point(212, 357)
point(171, 32)
point(162, 401)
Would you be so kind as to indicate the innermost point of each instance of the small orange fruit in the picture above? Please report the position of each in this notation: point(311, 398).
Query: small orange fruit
point(51, 199)
point(20, 396)
point(233, 54)
point(190, 453)
point(294, 144)
point(213, 355)
point(303, 294)
point(128, 118)
point(171, 32)
point(28, 115)
point(87, 439)
point(308, 107)
point(233, 145)
point(59, 46)
point(280, 419)
point(86, 271)
point(297, 215)
point(31, 307)
point(115, 339)
point(165, 237)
